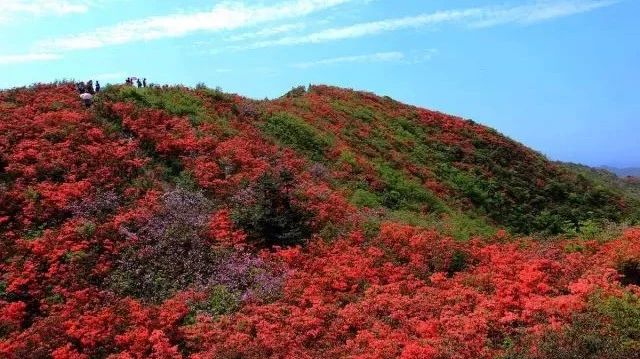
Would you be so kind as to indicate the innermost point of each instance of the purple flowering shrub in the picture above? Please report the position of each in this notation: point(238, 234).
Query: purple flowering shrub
point(172, 252)
point(98, 205)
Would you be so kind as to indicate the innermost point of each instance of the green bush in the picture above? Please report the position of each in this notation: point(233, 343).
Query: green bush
point(267, 211)
point(86, 229)
point(295, 133)
point(403, 193)
point(610, 328)
point(222, 301)
point(175, 101)
point(363, 198)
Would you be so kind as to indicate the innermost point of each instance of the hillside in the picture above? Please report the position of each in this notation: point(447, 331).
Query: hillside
point(628, 186)
point(623, 172)
point(328, 223)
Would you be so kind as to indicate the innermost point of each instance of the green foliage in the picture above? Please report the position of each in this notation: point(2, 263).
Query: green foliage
point(458, 225)
point(463, 227)
point(416, 219)
point(215, 94)
point(222, 301)
point(610, 328)
point(371, 227)
point(86, 229)
point(364, 198)
point(31, 194)
point(74, 256)
point(295, 133)
point(267, 212)
point(349, 157)
point(186, 181)
point(296, 92)
point(403, 193)
point(35, 231)
point(175, 101)
point(459, 262)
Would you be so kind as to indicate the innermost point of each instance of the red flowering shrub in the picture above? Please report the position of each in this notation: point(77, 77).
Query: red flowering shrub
point(191, 223)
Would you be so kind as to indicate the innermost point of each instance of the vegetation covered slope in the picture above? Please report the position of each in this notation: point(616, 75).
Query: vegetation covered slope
point(176, 222)
point(628, 186)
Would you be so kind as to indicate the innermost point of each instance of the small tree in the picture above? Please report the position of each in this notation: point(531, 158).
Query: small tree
point(268, 213)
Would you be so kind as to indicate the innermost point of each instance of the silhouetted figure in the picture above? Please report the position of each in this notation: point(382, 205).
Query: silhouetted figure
point(144, 82)
point(97, 86)
point(80, 87)
point(128, 81)
point(139, 83)
point(90, 87)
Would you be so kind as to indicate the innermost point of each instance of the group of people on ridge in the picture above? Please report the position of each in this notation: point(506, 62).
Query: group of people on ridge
point(131, 81)
point(87, 90)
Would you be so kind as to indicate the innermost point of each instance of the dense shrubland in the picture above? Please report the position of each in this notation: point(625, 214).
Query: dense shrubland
point(176, 222)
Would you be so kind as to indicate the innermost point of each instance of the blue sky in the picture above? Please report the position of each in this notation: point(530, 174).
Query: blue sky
point(561, 76)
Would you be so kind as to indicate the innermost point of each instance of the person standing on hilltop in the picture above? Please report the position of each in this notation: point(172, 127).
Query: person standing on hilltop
point(97, 86)
point(139, 83)
point(144, 82)
point(90, 87)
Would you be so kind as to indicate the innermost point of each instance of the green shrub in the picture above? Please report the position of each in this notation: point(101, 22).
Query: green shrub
point(403, 193)
point(222, 301)
point(86, 229)
point(295, 133)
point(363, 198)
point(267, 211)
point(175, 101)
point(610, 328)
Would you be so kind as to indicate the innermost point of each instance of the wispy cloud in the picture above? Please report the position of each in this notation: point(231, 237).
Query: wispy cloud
point(471, 17)
point(9, 9)
point(25, 58)
point(267, 32)
point(41, 7)
point(377, 57)
point(413, 57)
point(538, 12)
point(224, 16)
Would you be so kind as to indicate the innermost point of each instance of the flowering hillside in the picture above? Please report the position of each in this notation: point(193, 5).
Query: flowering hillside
point(191, 223)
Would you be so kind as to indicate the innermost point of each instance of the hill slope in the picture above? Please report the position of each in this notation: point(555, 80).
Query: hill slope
point(623, 172)
point(176, 222)
point(384, 154)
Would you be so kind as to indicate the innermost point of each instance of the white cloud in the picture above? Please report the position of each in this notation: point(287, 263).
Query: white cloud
point(414, 57)
point(9, 9)
point(471, 17)
point(377, 57)
point(368, 28)
point(267, 32)
point(539, 11)
point(223, 16)
point(24, 58)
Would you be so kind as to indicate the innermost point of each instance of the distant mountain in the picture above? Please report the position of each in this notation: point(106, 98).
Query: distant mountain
point(624, 172)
